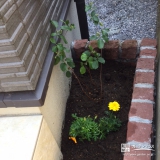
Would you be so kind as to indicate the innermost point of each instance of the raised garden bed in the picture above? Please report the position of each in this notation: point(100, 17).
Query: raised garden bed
point(136, 111)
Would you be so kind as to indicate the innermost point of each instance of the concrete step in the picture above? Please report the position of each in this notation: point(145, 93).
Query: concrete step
point(18, 136)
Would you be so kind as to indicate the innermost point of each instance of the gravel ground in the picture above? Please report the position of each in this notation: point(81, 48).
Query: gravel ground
point(126, 19)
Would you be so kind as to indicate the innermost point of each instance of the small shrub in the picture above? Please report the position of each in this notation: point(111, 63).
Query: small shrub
point(84, 128)
point(87, 128)
point(108, 124)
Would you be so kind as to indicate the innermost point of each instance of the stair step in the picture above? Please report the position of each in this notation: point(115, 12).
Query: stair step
point(18, 136)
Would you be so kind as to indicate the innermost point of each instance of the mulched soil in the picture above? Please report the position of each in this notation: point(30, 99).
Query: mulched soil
point(117, 86)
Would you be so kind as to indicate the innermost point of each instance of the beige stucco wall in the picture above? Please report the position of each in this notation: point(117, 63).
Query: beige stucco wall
point(53, 109)
point(46, 148)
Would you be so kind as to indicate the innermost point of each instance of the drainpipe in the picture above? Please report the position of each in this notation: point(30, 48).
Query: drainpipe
point(157, 140)
point(82, 17)
point(157, 109)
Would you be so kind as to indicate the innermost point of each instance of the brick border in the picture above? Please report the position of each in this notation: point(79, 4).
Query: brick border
point(141, 53)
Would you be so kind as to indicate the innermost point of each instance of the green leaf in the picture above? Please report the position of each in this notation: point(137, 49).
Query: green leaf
point(68, 74)
point(90, 59)
point(55, 23)
point(71, 64)
point(90, 64)
point(63, 67)
point(64, 39)
point(60, 47)
point(84, 57)
point(54, 34)
point(93, 37)
point(104, 32)
point(67, 22)
point(54, 49)
point(69, 59)
point(57, 60)
point(100, 43)
point(98, 54)
point(82, 70)
point(105, 35)
point(65, 27)
point(53, 40)
point(95, 65)
point(62, 56)
point(93, 13)
point(87, 8)
point(72, 26)
point(105, 38)
point(90, 48)
point(95, 19)
point(101, 60)
point(87, 53)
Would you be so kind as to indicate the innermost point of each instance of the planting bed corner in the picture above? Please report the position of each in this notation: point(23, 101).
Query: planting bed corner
point(128, 77)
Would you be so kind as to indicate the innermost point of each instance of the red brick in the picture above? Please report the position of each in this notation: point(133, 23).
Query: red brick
point(145, 63)
point(94, 46)
point(144, 77)
point(142, 93)
point(142, 110)
point(149, 42)
point(137, 154)
point(129, 49)
point(148, 52)
point(139, 132)
point(111, 49)
point(79, 47)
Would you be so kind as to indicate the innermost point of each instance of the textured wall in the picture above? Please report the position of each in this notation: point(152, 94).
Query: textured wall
point(24, 39)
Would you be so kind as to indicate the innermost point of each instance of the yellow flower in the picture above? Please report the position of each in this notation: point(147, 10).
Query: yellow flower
point(73, 139)
point(114, 106)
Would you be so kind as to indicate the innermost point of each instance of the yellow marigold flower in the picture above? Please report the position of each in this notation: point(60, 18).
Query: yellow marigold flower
point(73, 139)
point(114, 106)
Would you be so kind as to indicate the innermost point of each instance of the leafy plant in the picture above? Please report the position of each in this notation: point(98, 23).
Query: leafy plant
point(87, 128)
point(66, 64)
point(108, 123)
point(84, 128)
point(102, 36)
point(90, 59)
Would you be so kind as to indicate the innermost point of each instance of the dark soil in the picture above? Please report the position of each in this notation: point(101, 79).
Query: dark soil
point(117, 86)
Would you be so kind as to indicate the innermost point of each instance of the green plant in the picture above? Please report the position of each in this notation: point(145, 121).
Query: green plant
point(108, 124)
point(84, 128)
point(102, 36)
point(60, 51)
point(90, 59)
point(66, 63)
point(87, 128)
